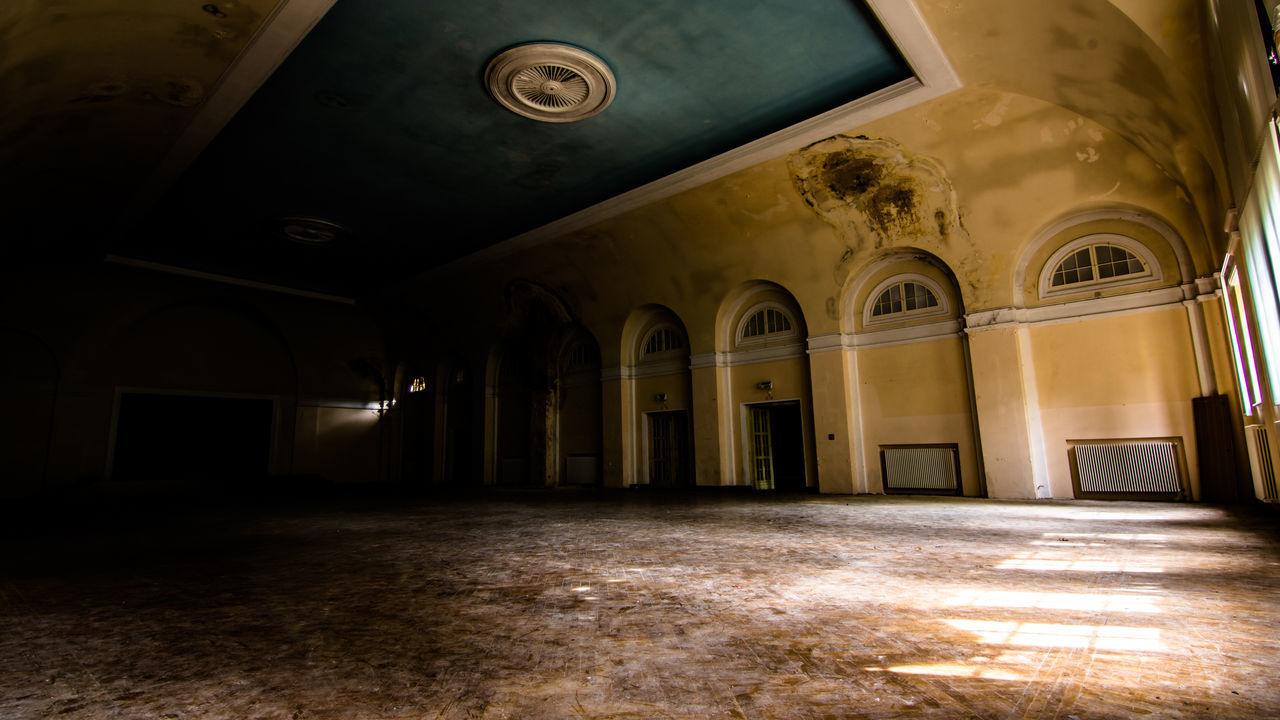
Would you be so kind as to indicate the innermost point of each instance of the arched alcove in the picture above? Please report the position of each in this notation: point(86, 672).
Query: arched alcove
point(659, 425)
point(580, 442)
point(766, 394)
point(912, 390)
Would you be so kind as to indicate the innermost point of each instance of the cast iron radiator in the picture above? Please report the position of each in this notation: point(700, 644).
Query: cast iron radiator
point(920, 468)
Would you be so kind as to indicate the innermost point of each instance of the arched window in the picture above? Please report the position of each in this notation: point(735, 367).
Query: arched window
point(578, 358)
point(663, 340)
point(904, 297)
point(766, 322)
point(1097, 260)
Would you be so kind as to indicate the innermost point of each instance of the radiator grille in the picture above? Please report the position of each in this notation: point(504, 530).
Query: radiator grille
point(1266, 471)
point(920, 468)
point(1127, 467)
point(581, 469)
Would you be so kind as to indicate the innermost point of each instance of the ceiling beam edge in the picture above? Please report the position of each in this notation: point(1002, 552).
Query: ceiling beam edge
point(275, 39)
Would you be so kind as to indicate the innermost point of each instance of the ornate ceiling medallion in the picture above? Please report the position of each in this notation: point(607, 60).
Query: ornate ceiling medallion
point(311, 230)
point(551, 82)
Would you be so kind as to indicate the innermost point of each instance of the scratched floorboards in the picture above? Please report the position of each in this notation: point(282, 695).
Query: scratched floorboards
point(637, 605)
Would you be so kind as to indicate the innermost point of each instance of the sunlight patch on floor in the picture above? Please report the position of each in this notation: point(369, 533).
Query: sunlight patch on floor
point(1053, 601)
point(1097, 637)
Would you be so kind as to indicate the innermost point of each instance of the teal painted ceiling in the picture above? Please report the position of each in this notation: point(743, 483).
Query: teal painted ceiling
point(380, 121)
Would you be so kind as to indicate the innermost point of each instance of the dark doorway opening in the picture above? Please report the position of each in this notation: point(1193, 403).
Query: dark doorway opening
point(777, 447)
point(417, 411)
point(515, 422)
point(457, 429)
point(669, 456)
point(186, 439)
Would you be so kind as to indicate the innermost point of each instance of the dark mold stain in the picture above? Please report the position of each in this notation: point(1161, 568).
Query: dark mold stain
point(894, 204)
point(848, 175)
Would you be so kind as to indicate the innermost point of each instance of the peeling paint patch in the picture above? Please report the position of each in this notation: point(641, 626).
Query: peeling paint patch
point(1088, 155)
point(996, 116)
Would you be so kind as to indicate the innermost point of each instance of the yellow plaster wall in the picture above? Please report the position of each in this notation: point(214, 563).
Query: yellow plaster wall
point(829, 375)
point(1128, 376)
point(711, 451)
point(916, 393)
point(1001, 401)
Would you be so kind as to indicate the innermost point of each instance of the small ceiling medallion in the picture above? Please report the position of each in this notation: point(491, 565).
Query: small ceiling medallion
point(551, 82)
point(311, 231)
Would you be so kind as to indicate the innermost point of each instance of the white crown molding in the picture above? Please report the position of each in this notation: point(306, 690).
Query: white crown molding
point(887, 337)
point(826, 343)
point(908, 31)
point(664, 368)
point(1131, 303)
point(751, 356)
point(908, 335)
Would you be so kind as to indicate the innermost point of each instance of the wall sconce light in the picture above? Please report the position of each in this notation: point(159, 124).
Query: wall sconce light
point(660, 397)
point(766, 385)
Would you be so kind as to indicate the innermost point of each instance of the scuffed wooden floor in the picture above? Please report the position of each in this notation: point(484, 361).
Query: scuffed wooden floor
point(637, 605)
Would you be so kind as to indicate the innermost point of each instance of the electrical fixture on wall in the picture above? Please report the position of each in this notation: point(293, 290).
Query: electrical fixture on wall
point(660, 397)
point(765, 385)
point(550, 82)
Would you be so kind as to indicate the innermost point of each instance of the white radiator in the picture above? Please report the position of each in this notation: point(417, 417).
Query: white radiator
point(1136, 466)
point(581, 469)
point(920, 468)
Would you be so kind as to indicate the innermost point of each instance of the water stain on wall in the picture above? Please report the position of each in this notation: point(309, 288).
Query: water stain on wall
point(880, 195)
point(877, 192)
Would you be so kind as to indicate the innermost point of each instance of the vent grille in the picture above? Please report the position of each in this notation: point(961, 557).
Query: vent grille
point(921, 468)
point(581, 469)
point(1266, 471)
point(1137, 469)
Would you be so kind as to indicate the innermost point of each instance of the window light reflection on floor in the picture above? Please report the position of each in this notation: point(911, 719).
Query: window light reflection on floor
point(1097, 637)
point(985, 672)
point(1055, 561)
point(1054, 601)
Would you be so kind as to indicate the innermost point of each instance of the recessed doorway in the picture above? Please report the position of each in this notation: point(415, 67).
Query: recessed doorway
point(669, 463)
point(775, 434)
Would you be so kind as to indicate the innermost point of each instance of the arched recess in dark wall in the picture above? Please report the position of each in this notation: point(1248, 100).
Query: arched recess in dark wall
point(205, 393)
point(542, 349)
point(579, 432)
point(29, 378)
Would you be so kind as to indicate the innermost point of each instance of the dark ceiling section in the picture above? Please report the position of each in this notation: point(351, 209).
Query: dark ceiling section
point(380, 121)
